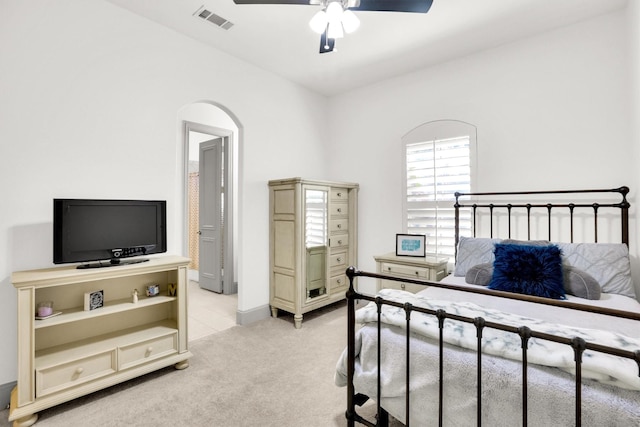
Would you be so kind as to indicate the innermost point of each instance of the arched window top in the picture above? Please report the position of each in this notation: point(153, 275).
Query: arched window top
point(439, 129)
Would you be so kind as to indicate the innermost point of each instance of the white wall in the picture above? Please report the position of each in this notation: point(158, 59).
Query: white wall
point(551, 113)
point(89, 107)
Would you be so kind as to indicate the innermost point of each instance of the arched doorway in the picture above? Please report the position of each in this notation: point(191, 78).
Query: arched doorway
point(210, 178)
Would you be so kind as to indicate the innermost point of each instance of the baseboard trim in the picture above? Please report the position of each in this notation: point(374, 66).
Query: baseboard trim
point(5, 393)
point(253, 315)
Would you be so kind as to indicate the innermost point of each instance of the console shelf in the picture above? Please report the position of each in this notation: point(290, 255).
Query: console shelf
point(78, 352)
point(78, 314)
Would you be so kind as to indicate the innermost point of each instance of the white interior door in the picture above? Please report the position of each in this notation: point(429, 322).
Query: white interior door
point(210, 232)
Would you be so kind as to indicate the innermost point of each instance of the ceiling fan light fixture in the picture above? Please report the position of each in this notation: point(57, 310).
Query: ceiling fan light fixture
point(334, 31)
point(350, 21)
point(334, 11)
point(319, 22)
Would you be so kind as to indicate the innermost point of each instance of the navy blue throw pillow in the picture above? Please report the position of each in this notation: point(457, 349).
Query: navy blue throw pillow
point(530, 270)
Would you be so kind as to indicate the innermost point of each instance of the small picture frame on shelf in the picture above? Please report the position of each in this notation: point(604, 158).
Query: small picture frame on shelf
point(153, 290)
point(410, 245)
point(93, 300)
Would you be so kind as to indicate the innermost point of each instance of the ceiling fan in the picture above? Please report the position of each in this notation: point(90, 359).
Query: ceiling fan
point(337, 17)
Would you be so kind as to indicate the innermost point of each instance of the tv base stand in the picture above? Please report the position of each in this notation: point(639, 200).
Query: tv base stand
point(113, 263)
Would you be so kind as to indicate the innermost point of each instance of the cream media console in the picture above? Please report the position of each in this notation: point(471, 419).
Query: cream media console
point(78, 351)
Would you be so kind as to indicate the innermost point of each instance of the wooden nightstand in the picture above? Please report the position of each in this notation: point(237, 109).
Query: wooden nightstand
point(431, 267)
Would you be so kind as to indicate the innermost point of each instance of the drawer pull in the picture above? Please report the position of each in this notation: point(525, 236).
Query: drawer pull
point(339, 259)
point(339, 194)
point(389, 268)
point(149, 351)
point(339, 242)
point(402, 285)
point(339, 281)
point(339, 226)
point(339, 210)
point(79, 371)
point(417, 273)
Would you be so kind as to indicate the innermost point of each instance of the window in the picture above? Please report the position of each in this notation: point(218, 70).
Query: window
point(438, 160)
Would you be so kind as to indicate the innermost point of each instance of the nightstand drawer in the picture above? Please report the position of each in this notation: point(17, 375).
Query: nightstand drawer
point(405, 271)
point(75, 372)
point(409, 287)
point(145, 351)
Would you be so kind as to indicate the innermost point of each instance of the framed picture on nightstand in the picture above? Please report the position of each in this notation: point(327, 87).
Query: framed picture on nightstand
point(410, 245)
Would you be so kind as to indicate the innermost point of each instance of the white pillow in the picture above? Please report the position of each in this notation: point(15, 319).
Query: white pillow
point(473, 251)
point(608, 263)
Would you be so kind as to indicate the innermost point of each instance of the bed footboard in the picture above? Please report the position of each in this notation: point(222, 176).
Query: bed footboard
point(578, 345)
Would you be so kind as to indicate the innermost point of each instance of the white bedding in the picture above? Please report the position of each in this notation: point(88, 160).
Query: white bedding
point(550, 389)
point(547, 313)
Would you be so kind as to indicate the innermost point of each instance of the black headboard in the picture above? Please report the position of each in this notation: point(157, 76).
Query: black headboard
point(566, 201)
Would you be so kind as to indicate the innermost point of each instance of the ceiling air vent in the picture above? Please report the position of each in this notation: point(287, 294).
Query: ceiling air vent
point(218, 20)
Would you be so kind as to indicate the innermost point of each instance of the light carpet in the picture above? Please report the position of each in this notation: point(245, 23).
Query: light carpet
point(264, 374)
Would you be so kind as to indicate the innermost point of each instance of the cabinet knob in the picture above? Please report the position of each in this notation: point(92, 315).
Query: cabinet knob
point(339, 209)
point(339, 242)
point(339, 259)
point(149, 350)
point(79, 371)
point(417, 273)
point(339, 226)
point(339, 281)
point(339, 194)
point(402, 285)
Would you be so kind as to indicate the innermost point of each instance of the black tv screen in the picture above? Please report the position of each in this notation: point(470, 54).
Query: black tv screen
point(96, 230)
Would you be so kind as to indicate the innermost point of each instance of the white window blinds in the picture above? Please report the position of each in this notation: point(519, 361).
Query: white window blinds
point(435, 169)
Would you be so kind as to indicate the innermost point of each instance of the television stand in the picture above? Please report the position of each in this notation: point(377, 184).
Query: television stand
point(78, 352)
point(114, 262)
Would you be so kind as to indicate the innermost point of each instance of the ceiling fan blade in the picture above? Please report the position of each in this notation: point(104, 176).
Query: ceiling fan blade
point(326, 44)
point(304, 2)
point(415, 6)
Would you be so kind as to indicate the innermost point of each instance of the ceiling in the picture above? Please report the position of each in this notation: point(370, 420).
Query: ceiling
point(387, 44)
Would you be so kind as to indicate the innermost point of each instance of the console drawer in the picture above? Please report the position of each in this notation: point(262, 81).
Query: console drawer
point(58, 377)
point(145, 351)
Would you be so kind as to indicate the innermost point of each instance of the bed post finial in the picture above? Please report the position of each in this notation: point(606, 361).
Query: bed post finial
point(624, 214)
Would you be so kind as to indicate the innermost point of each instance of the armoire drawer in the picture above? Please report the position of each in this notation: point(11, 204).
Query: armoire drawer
point(339, 194)
point(339, 283)
point(58, 377)
point(339, 209)
point(338, 260)
point(339, 241)
point(146, 351)
point(338, 225)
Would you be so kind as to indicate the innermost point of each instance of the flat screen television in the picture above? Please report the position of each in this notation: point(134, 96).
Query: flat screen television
point(87, 230)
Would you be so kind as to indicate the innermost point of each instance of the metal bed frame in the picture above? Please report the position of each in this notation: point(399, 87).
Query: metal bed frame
point(577, 344)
